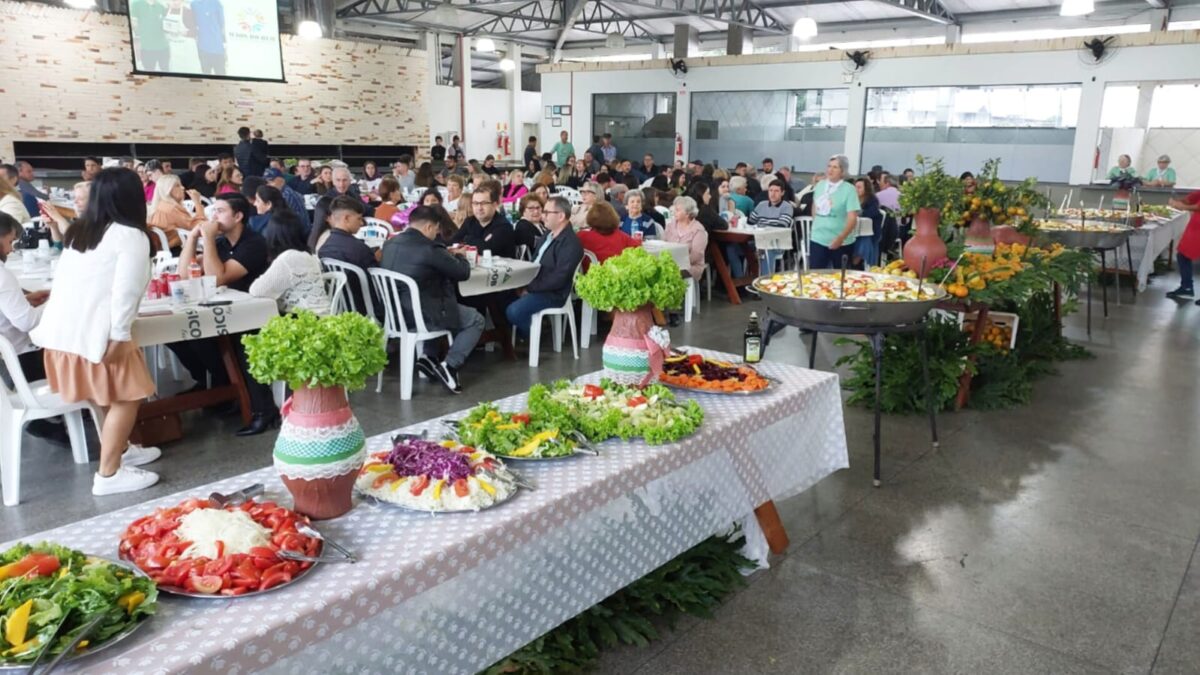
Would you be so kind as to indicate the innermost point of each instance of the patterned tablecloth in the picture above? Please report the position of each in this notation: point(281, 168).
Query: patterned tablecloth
point(453, 593)
point(767, 238)
point(1147, 243)
point(505, 274)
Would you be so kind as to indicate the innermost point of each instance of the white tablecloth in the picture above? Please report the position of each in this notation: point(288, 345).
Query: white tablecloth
point(505, 274)
point(455, 592)
point(767, 238)
point(1147, 243)
point(193, 322)
point(677, 251)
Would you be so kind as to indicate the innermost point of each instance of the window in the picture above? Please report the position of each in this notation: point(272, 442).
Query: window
point(908, 108)
point(821, 108)
point(1174, 106)
point(1119, 108)
point(1033, 106)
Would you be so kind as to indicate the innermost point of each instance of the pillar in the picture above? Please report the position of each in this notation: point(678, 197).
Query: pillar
point(1087, 132)
point(513, 80)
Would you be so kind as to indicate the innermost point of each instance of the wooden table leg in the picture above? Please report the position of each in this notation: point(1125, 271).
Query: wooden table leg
point(772, 527)
point(1058, 307)
point(718, 258)
point(229, 358)
point(964, 380)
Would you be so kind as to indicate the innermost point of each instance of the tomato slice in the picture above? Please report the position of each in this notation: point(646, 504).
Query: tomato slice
point(521, 418)
point(272, 579)
point(461, 488)
point(419, 485)
point(592, 391)
point(204, 584)
point(218, 567)
point(263, 552)
point(636, 401)
point(247, 570)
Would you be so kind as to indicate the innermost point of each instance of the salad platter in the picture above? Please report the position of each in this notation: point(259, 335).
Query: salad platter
point(51, 595)
point(437, 477)
point(608, 410)
point(201, 549)
point(850, 298)
point(695, 372)
point(1089, 234)
point(517, 436)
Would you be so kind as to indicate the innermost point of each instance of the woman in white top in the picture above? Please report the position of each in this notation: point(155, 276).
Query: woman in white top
point(86, 326)
point(294, 277)
point(10, 201)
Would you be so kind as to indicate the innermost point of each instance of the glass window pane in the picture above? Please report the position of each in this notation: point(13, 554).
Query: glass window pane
point(1175, 106)
point(1119, 108)
point(639, 123)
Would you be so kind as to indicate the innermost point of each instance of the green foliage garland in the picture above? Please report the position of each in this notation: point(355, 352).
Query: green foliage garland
point(632, 280)
point(932, 188)
point(305, 350)
point(694, 583)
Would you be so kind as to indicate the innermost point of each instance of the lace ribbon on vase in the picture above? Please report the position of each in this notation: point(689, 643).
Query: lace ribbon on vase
point(321, 471)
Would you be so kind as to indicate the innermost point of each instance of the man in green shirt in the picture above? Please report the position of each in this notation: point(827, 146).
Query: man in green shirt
point(148, 18)
point(562, 150)
point(1162, 175)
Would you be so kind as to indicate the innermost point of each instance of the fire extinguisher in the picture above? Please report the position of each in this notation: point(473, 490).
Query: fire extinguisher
point(501, 140)
point(678, 145)
point(1096, 159)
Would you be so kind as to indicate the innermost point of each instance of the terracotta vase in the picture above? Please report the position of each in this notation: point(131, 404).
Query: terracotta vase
point(319, 451)
point(630, 355)
point(979, 237)
point(926, 245)
point(1007, 234)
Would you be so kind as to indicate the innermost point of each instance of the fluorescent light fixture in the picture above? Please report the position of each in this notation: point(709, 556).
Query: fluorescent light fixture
point(1076, 7)
point(309, 30)
point(486, 45)
point(1183, 25)
point(1053, 33)
point(507, 65)
point(874, 44)
point(81, 4)
point(805, 28)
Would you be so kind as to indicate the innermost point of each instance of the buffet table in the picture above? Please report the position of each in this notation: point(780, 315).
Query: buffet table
point(1147, 243)
point(453, 593)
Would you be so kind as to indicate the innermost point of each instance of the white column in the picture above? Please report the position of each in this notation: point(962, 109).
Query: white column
point(856, 116)
point(1087, 132)
point(516, 134)
point(683, 122)
point(464, 81)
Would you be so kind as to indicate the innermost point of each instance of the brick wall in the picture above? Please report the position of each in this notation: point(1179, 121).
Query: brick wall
point(65, 76)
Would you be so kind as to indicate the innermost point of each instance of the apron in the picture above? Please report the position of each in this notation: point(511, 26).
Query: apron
point(823, 203)
point(182, 45)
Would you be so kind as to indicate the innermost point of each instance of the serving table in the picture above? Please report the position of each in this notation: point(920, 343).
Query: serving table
point(453, 593)
point(1150, 241)
point(678, 252)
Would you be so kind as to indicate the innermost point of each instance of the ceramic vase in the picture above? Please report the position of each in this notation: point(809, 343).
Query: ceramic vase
point(319, 451)
point(979, 237)
point(631, 354)
point(926, 246)
point(1007, 234)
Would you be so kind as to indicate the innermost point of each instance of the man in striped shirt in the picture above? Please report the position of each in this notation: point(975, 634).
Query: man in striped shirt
point(774, 212)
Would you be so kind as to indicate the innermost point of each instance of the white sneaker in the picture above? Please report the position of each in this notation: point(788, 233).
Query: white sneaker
point(140, 455)
point(126, 479)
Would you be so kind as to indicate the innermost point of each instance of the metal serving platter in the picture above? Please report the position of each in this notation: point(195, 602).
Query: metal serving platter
point(1087, 238)
point(582, 446)
point(174, 590)
point(771, 386)
point(413, 509)
point(851, 313)
point(8, 667)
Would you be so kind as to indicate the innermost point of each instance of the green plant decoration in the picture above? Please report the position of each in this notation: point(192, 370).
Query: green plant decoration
point(933, 188)
point(1002, 204)
point(629, 281)
point(305, 350)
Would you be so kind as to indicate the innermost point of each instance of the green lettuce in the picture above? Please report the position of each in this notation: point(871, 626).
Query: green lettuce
point(631, 280)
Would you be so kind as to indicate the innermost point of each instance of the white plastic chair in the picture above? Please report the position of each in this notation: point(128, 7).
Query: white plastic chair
point(587, 314)
point(351, 301)
point(163, 243)
point(335, 288)
point(391, 286)
point(190, 206)
point(556, 315)
point(207, 201)
point(571, 194)
point(415, 195)
point(374, 236)
point(866, 227)
point(184, 235)
point(444, 192)
point(28, 402)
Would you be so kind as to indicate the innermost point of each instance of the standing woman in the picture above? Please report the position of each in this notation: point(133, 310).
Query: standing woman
point(1189, 244)
point(86, 326)
point(835, 219)
point(515, 188)
point(866, 249)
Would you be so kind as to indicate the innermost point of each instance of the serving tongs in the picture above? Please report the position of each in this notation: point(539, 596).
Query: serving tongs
point(238, 497)
point(71, 646)
point(309, 531)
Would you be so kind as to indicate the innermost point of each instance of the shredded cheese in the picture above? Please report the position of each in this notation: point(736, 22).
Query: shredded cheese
point(236, 529)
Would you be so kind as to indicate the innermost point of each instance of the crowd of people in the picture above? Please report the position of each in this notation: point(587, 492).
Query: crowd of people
point(268, 229)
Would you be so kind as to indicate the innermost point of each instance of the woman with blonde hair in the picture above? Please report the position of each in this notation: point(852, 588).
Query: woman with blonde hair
point(515, 188)
point(168, 213)
point(10, 200)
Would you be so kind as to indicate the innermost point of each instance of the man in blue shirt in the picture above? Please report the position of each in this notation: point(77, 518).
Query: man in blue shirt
point(209, 16)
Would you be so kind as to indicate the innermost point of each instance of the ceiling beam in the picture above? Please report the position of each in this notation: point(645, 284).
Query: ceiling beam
point(571, 11)
point(729, 12)
point(930, 10)
point(1159, 4)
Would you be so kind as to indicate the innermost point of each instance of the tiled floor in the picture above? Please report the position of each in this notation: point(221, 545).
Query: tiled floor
point(1056, 538)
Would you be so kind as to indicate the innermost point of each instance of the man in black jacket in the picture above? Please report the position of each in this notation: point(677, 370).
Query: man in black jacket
point(417, 253)
point(559, 257)
point(251, 156)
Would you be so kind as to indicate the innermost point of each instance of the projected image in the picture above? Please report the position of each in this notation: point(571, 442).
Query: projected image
point(206, 38)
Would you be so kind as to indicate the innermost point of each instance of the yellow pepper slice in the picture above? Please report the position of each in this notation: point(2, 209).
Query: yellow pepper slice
point(528, 448)
point(437, 489)
point(377, 468)
point(18, 624)
point(131, 601)
point(487, 487)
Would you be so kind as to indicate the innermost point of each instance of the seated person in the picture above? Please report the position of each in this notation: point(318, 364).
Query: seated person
point(530, 229)
point(558, 257)
point(236, 256)
point(603, 235)
point(294, 278)
point(590, 193)
point(392, 199)
point(1161, 175)
point(636, 219)
point(342, 244)
point(487, 229)
point(417, 253)
point(685, 229)
point(168, 213)
point(774, 211)
point(737, 193)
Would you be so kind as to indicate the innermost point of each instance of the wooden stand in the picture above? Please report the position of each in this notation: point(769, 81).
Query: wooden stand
point(234, 391)
point(772, 527)
point(715, 239)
